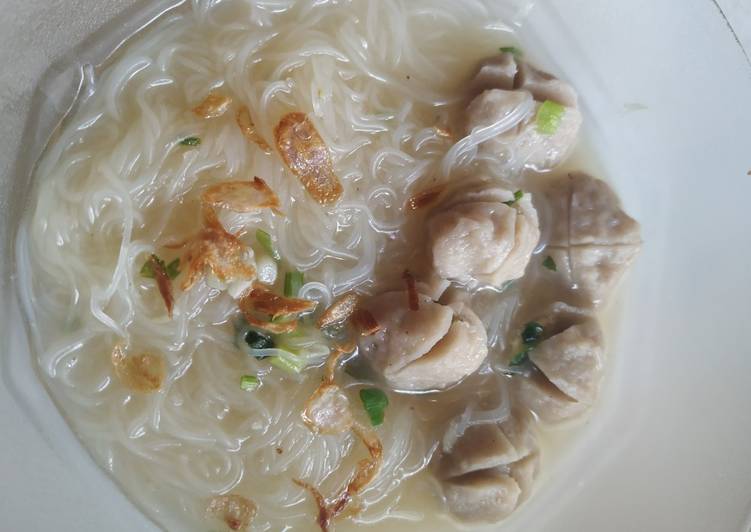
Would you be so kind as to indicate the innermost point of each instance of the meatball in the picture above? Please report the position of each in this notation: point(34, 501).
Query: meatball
point(567, 363)
point(592, 241)
point(426, 349)
point(485, 235)
point(491, 468)
point(485, 495)
point(503, 84)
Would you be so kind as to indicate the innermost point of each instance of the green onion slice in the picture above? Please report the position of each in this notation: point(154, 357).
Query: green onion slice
point(291, 363)
point(519, 194)
point(172, 269)
point(191, 141)
point(520, 358)
point(293, 281)
point(550, 264)
point(249, 382)
point(267, 244)
point(549, 117)
point(374, 401)
point(517, 53)
point(532, 333)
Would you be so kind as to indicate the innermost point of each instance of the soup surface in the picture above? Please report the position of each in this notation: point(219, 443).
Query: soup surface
point(287, 249)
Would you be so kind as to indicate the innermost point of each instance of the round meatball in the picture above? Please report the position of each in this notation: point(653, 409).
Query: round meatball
point(592, 241)
point(491, 468)
point(567, 372)
point(501, 85)
point(487, 235)
point(425, 349)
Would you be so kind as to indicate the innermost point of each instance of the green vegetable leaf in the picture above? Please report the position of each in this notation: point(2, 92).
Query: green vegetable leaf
point(549, 117)
point(293, 281)
point(374, 401)
point(512, 50)
point(532, 333)
point(519, 194)
point(172, 269)
point(191, 141)
point(520, 358)
point(249, 382)
point(258, 340)
point(267, 244)
point(550, 264)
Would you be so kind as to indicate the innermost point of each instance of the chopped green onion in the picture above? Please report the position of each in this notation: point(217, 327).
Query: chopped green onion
point(257, 340)
point(549, 117)
point(519, 194)
point(520, 358)
point(191, 141)
point(531, 336)
point(290, 364)
point(550, 264)
point(293, 281)
point(532, 333)
point(267, 244)
point(517, 53)
point(375, 402)
point(172, 269)
point(249, 383)
point(147, 270)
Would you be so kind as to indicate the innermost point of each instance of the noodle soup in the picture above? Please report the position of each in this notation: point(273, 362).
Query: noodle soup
point(292, 263)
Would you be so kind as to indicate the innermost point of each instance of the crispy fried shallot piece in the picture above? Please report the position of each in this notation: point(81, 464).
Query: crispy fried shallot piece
point(216, 250)
point(163, 282)
point(245, 122)
point(241, 196)
point(324, 516)
point(235, 510)
point(265, 301)
point(414, 300)
point(273, 327)
point(213, 106)
point(308, 157)
point(443, 132)
point(367, 468)
point(339, 311)
point(425, 198)
point(327, 412)
point(365, 322)
point(143, 373)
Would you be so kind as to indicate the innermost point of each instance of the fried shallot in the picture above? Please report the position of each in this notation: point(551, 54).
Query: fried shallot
point(214, 250)
point(265, 301)
point(143, 373)
point(425, 198)
point(339, 419)
point(241, 196)
point(213, 106)
point(245, 122)
point(365, 322)
point(235, 510)
point(413, 296)
point(339, 311)
point(163, 282)
point(307, 156)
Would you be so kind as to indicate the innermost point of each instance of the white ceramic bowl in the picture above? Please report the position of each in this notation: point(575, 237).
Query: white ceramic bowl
point(667, 93)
